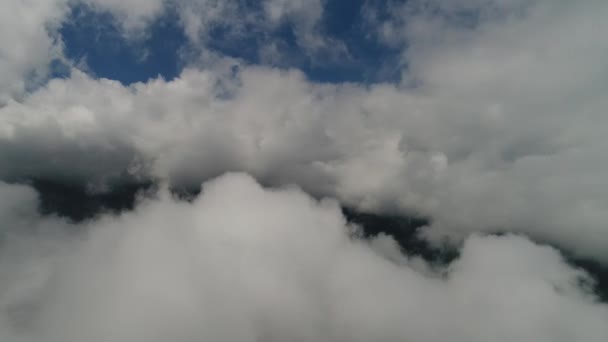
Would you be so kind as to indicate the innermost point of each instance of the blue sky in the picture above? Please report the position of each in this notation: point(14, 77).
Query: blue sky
point(94, 37)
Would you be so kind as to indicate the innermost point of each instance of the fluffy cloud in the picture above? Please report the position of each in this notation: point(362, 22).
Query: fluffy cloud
point(497, 125)
point(500, 133)
point(520, 92)
point(26, 45)
point(284, 268)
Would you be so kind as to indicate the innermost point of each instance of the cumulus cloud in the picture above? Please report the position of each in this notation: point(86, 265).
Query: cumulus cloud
point(494, 128)
point(497, 125)
point(26, 43)
point(241, 263)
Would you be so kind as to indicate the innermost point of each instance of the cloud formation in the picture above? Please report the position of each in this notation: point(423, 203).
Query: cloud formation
point(496, 125)
point(284, 268)
point(27, 44)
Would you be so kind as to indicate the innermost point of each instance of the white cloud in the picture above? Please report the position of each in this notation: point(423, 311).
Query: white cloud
point(515, 104)
point(498, 125)
point(283, 268)
point(26, 47)
point(510, 149)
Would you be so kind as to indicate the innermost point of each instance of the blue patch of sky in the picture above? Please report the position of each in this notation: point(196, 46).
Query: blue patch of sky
point(370, 59)
point(96, 39)
point(56, 69)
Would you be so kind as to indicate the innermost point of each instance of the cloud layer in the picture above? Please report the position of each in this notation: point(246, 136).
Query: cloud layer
point(284, 268)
